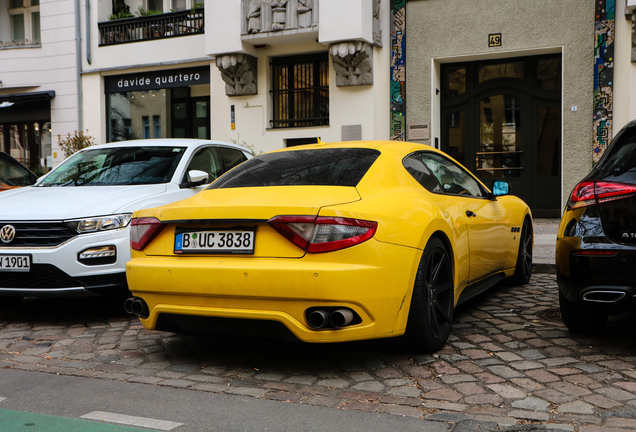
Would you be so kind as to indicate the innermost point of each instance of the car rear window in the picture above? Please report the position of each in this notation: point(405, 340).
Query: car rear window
point(324, 167)
point(621, 154)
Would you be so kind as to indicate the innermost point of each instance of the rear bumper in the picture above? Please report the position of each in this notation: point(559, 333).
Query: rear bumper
point(607, 281)
point(373, 279)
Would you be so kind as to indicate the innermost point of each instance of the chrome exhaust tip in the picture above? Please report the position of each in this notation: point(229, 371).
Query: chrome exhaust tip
point(604, 296)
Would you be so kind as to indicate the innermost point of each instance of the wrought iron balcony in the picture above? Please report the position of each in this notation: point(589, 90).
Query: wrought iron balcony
point(151, 27)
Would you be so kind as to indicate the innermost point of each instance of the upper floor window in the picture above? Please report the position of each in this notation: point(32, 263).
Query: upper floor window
point(154, 6)
point(300, 91)
point(24, 21)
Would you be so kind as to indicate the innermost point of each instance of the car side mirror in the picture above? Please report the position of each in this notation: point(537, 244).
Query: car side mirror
point(197, 178)
point(500, 188)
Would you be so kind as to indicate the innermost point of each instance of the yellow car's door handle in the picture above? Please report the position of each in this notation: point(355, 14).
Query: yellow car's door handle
point(470, 213)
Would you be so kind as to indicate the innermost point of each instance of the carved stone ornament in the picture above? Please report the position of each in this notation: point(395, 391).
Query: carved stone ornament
point(264, 16)
point(353, 63)
point(239, 72)
point(377, 32)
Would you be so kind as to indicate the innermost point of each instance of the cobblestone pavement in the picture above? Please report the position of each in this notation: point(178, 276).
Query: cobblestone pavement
point(509, 364)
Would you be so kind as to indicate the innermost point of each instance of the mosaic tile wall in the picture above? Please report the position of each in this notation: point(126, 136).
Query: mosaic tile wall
point(398, 70)
point(603, 75)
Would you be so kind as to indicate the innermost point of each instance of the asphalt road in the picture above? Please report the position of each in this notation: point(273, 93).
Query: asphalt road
point(74, 397)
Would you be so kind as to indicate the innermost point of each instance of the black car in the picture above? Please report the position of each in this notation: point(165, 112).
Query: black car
point(13, 174)
point(596, 243)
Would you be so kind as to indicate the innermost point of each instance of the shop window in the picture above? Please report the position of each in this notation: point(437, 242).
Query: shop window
point(146, 124)
point(24, 22)
point(156, 122)
point(300, 91)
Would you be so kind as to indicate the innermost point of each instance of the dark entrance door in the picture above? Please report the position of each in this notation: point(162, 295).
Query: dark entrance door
point(502, 119)
point(190, 116)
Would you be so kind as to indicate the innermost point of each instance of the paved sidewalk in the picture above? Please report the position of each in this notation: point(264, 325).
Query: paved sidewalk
point(509, 361)
point(545, 232)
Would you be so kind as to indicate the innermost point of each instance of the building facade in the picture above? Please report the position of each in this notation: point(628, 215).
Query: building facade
point(260, 73)
point(530, 92)
point(508, 88)
point(39, 79)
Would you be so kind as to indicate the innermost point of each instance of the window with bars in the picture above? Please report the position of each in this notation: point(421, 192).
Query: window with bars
point(300, 91)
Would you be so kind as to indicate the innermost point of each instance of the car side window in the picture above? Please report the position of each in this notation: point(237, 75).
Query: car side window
point(207, 160)
point(232, 157)
point(453, 178)
point(421, 173)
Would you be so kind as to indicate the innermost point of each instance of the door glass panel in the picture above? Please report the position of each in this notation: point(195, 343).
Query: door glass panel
point(456, 133)
point(179, 110)
point(549, 145)
point(16, 4)
point(456, 82)
point(201, 109)
point(549, 74)
point(499, 153)
point(502, 70)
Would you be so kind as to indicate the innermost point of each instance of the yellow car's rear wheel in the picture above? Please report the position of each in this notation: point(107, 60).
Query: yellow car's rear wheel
point(432, 304)
point(523, 269)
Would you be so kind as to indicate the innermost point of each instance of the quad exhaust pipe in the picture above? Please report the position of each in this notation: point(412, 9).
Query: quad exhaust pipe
point(325, 318)
point(136, 306)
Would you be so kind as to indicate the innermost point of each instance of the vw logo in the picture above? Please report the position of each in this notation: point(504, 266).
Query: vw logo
point(7, 234)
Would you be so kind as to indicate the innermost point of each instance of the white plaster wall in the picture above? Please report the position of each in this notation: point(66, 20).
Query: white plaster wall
point(346, 20)
point(223, 26)
point(624, 71)
point(50, 67)
point(367, 106)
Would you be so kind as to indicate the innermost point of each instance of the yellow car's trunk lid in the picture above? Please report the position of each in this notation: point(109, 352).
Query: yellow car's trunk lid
point(248, 209)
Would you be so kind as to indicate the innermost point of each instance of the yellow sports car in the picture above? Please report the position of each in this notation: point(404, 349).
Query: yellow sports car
point(331, 242)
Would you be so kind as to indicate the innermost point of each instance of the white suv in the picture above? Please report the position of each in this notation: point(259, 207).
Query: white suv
point(69, 233)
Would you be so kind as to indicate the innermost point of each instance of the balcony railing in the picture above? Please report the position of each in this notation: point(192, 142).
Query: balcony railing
point(151, 27)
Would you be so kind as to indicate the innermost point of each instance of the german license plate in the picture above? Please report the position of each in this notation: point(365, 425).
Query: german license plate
point(226, 241)
point(15, 263)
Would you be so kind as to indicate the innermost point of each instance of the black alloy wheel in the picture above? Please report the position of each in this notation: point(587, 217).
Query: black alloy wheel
point(433, 301)
point(523, 269)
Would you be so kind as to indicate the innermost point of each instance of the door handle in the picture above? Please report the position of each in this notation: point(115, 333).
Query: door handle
point(470, 213)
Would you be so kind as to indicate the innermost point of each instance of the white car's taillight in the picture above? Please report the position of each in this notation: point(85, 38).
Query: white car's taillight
point(143, 230)
point(323, 234)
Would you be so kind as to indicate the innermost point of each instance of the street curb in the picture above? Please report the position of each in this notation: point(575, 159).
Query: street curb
point(548, 268)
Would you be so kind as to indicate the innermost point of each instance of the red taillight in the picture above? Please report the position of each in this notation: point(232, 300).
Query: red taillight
point(143, 230)
point(588, 193)
point(595, 253)
point(323, 234)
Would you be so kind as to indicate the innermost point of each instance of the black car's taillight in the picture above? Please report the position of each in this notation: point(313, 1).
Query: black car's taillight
point(143, 230)
point(323, 234)
point(588, 193)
